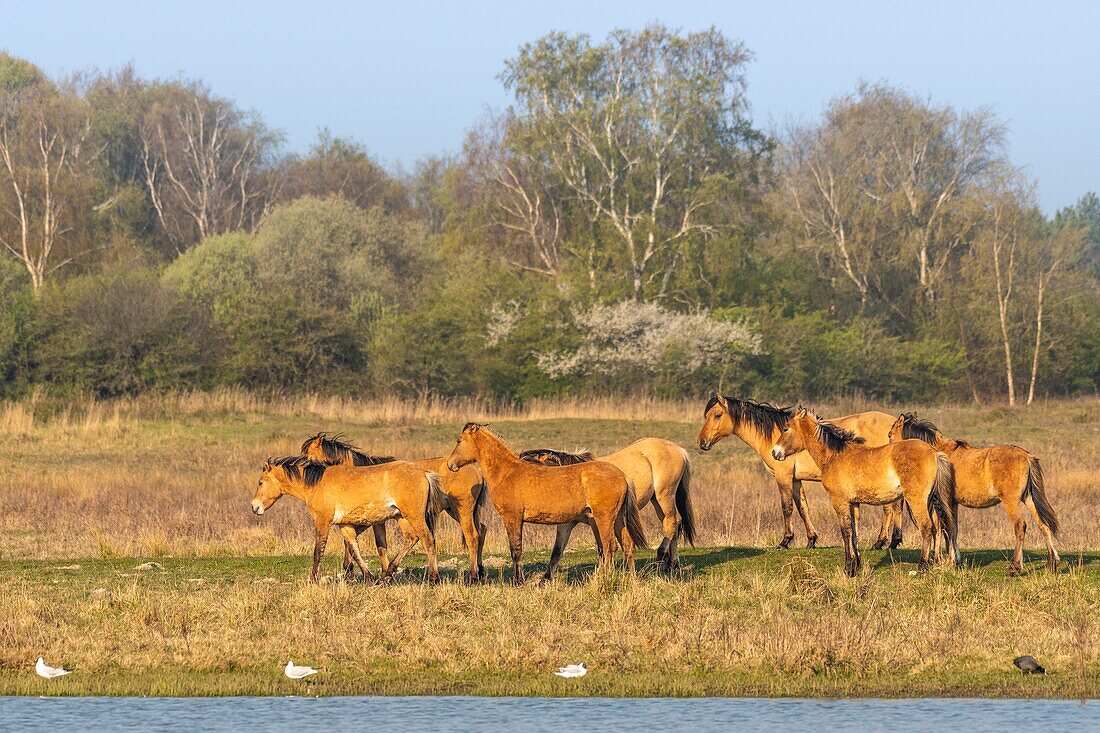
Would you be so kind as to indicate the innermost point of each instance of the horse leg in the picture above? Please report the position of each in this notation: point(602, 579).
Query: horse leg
point(884, 532)
point(662, 549)
point(560, 541)
point(420, 527)
point(604, 526)
point(410, 536)
point(513, 525)
point(320, 539)
point(472, 538)
point(1019, 529)
point(804, 512)
point(381, 544)
point(786, 501)
point(854, 539)
point(1052, 554)
point(928, 525)
point(845, 517)
point(351, 545)
point(897, 511)
point(670, 526)
point(628, 545)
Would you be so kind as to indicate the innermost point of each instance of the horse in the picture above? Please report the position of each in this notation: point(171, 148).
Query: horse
point(759, 424)
point(855, 473)
point(349, 497)
point(594, 492)
point(661, 474)
point(464, 494)
point(984, 477)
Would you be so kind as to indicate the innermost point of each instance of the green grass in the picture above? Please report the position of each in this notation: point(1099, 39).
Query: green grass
point(741, 621)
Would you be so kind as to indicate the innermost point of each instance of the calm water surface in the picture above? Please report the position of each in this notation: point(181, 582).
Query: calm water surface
point(700, 715)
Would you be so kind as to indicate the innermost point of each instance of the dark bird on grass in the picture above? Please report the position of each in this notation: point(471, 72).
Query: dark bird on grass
point(1028, 665)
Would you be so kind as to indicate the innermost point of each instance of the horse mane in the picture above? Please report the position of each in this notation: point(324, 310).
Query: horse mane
point(300, 468)
point(913, 427)
point(483, 427)
point(762, 416)
point(835, 438)
point(561, 458)
point(340, 452)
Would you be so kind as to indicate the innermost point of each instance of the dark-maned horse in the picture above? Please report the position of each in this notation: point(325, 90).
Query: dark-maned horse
point(661, 474)
point(759, 424)
point(464, 494)
point(984, 477)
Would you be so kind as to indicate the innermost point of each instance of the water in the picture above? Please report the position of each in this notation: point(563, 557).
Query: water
point(558, 715)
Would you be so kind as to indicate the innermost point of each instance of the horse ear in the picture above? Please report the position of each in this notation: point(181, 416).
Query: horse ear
point(722, 400)
point(801, 411)
point(471, 427)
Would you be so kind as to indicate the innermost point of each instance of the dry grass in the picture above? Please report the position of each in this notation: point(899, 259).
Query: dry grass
point(173, 474)
point(743, 623)
point(98, 485)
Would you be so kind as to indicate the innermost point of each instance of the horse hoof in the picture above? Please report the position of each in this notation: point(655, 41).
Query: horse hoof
point(895, 542)
point(434, 579)
point(1014, 571)
point(786, 543)
point(811, 542)
point(879, 545)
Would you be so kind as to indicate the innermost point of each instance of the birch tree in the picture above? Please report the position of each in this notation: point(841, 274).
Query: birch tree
point(42, 134)
point(632, 128)
point(202, 161)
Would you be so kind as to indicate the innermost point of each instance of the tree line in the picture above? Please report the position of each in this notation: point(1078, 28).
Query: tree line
point(622, 226)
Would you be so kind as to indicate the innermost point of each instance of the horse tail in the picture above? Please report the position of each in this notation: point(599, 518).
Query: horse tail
point(479, 502)
point(941, 499)
point(437, 500)
point(1034, 488)
point(632, 517)
point(683, 503)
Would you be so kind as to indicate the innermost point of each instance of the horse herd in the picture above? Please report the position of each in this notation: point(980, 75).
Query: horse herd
point(902, 463)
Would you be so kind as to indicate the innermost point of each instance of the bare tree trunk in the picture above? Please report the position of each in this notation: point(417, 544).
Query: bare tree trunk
point(1044, 279)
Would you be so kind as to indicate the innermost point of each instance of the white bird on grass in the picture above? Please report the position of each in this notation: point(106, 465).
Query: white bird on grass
point(296, 672)
point(47, 672)
point(570, 671)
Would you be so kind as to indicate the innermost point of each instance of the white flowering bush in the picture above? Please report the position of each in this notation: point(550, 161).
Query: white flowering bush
point(628, 338)
point(502, 320)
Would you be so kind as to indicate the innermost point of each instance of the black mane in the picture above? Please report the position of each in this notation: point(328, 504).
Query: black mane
point(913, 427)
point(834, 438)
point(559, 457)
point(764, 417)
point(339, 452)
point(300, 468)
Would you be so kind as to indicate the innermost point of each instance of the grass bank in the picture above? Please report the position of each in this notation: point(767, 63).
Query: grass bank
point(741, 621)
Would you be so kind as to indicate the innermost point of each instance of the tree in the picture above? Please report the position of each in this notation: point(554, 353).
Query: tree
point(884, 181)
point(202, 161)
point(43, 129)
point(632, 129)
point(339, 167)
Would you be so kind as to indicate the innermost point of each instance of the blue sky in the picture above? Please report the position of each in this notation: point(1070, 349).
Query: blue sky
point(408, 78)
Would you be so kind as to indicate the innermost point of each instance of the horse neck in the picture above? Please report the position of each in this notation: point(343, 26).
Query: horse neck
point(818, 451)
point(494, 457)
point(297, 489)
point(754, 438)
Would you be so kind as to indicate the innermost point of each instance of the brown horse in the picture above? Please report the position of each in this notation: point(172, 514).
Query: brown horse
point(661, 474)
point(759, 424)
point(1004, 474)
point(595, 493)
point(464, 497)
point(349, 497)
point(854, 473)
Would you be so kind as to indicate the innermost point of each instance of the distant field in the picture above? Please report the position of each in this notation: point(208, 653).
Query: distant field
point(107, 486)
point(175, 475)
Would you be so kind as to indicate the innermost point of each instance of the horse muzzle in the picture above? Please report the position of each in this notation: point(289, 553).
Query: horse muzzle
point(705, 445)
point(257, 508)
point(778, 453)
point(452, 467)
